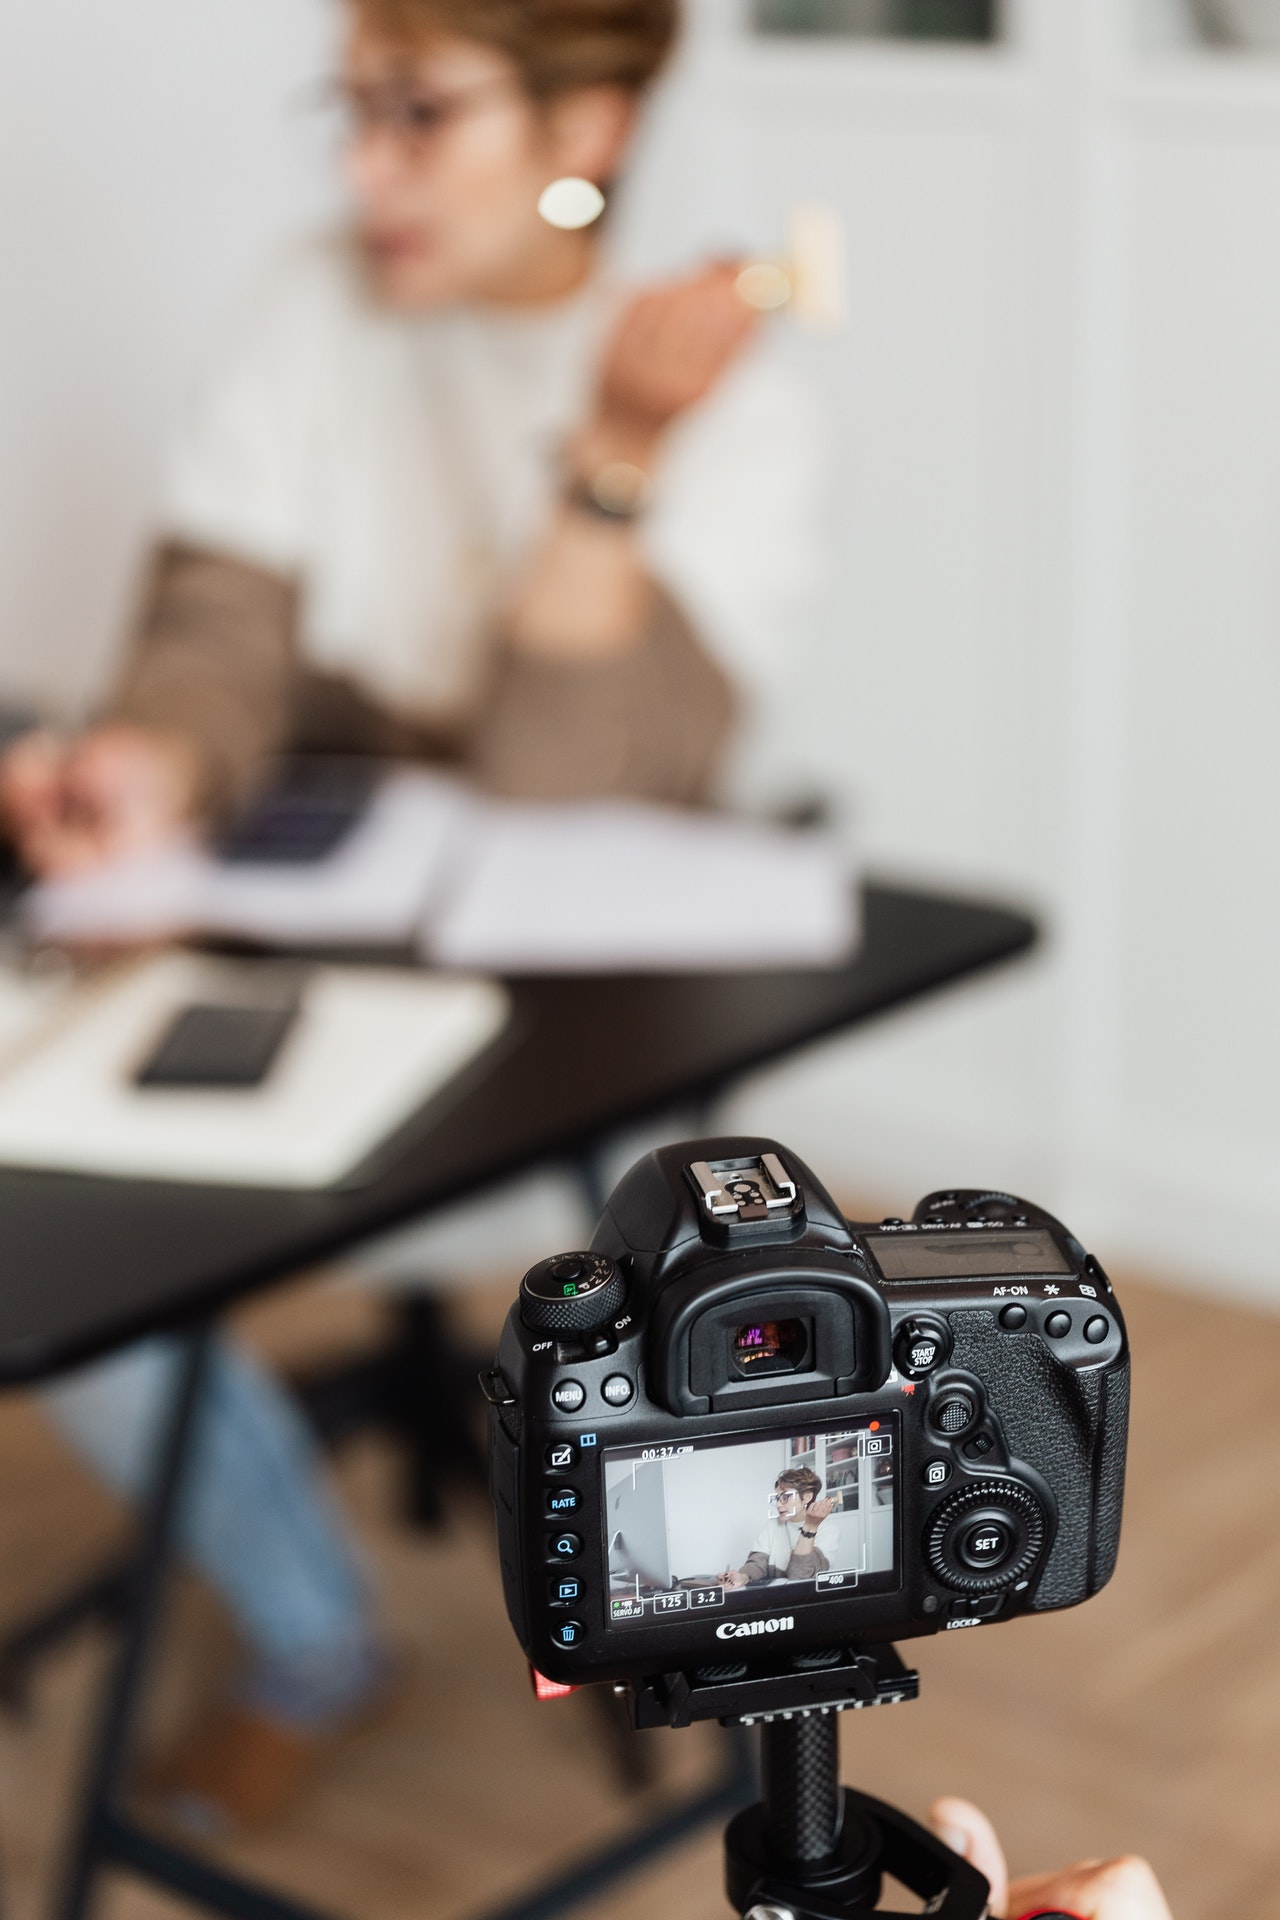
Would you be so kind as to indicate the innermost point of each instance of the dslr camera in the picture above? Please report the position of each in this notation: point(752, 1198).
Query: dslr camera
point(741, 1432)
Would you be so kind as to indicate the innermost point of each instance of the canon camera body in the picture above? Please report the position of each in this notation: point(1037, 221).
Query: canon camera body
point(740, 1424)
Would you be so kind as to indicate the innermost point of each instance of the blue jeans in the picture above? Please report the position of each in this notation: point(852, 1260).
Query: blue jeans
point(256, 1517)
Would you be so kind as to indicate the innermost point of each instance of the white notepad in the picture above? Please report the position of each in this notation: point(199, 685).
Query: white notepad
point(369, 1047)
point(499, 886)
point(617, 886)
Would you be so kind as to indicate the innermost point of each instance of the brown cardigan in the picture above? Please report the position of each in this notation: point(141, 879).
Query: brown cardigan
point(215, 657)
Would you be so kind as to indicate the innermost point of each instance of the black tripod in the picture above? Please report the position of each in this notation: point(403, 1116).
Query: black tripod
point(811, 1849)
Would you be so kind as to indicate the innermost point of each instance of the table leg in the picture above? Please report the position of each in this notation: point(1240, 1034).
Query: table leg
point(104, 1836)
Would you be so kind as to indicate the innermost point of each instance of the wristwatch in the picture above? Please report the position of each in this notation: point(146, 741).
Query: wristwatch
point(808, 1533)
point(618, 491)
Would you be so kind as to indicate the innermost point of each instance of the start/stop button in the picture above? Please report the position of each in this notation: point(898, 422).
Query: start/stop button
point(922, 1343)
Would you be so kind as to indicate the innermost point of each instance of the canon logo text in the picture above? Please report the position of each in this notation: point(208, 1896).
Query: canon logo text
point(739, 1629)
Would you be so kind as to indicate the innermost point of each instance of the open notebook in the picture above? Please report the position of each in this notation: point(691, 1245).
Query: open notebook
point(368, 1047)
point(499, 887)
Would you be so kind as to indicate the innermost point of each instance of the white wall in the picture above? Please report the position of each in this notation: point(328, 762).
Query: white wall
point(1050, 667)
point(149, 153)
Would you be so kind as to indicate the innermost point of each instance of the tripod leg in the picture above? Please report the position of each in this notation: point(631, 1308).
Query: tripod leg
point(795, 1851)
point(800, 1767)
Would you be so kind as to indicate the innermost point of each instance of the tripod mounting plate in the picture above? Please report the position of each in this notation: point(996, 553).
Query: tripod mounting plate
point(744, 1693)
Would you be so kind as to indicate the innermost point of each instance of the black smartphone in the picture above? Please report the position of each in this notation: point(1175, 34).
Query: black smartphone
point(209, 1045)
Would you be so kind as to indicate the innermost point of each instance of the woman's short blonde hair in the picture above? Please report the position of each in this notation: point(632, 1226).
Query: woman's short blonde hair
point(557, 45)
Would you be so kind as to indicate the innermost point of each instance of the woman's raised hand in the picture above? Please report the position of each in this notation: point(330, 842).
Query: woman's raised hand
point(670, 347)
point(1123, 1889)
point(71, 804)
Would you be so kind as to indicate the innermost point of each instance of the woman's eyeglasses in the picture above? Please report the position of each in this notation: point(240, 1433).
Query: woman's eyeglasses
point(413, 116)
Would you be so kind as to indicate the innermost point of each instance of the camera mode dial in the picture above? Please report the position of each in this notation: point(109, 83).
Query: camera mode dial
point(571, 1293)
point(985, 1537)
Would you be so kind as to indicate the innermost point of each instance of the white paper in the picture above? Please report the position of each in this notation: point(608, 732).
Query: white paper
point(607, 886)
point(500, 887)
point(369, 1047)
point(369, 892)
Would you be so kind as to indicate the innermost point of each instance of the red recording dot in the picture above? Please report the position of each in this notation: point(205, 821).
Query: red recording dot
point(875, 1426)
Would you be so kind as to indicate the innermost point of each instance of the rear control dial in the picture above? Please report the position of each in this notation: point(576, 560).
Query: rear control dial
point(985, 1537)
point(571, 1292)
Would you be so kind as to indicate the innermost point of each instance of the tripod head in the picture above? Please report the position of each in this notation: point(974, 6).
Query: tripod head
point(811, 1849)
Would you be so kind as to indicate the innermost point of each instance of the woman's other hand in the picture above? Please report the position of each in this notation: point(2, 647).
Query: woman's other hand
point(733, 1577)
point(1123, 1889)
point(74, 804)
point(669, 349)
point(586, 596)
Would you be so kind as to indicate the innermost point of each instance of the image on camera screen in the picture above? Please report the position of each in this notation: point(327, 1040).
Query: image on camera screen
point(723, 1524)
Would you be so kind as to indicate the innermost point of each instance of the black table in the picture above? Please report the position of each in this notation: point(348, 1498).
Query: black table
point(87, 1263)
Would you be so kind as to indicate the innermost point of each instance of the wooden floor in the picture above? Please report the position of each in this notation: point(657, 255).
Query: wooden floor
point(1147, 1720)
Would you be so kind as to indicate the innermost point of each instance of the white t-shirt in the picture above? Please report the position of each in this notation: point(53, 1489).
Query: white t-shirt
point(777, 1541)
point(403, 467)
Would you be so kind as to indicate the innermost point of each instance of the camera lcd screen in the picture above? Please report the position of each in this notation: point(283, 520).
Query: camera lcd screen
point(715, 1525)
point(964, 1255)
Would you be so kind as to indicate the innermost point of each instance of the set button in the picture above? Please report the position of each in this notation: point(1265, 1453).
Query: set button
point(565, 1546)
point(988, 1543)
point(561, 1500)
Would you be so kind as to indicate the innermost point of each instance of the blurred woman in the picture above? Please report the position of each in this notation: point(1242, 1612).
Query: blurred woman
point(448, 492)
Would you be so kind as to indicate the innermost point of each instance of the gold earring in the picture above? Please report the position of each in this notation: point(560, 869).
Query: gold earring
point(571, 203)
